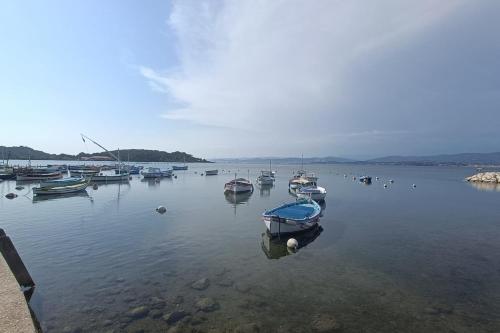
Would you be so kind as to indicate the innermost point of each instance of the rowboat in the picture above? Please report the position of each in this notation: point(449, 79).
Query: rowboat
point(61, 189)
point(292, 217)
point(62, 182)
point(177, 167)
point(211, 172)
point(238, 185)
point(265, 179)
point(316, 193)
point(33, 175)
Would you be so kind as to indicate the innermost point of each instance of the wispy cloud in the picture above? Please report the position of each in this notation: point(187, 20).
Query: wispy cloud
point(281, 66)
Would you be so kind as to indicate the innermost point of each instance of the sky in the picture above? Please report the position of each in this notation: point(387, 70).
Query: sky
point(247, 78)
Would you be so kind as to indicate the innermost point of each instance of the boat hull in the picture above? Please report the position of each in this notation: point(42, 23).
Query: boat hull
point(62, 182)
point(238, 188)
point(41, 176)
point(291, 218)
point(60, 189)
point(316, 194)
point(277, 226)
point(211, 172)
point(110, 178)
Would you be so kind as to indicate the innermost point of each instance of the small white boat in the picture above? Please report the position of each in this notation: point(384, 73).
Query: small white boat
point(238, 185)
point(293, 217)
point(110, 178)
point(265, 180)
point(83, 172)
point(211, 172)
point(317, 193)
point(296, 183)
point(61, 189)
point(156, 173)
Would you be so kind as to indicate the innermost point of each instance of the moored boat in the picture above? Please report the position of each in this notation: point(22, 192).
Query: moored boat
point(317, 193)
point(292, 217)
point(365, 179)
point(238, 185)
point(35, 175)
point(62, 182)
point(211, 172)
point(61, 189)
point(83, 173)
point(110, 178)
point(178, 168)
point(296, 183)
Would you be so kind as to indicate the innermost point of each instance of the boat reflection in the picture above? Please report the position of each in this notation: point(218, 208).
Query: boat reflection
point(275, 248)
point(50, 197)
point(265, 190)
point(485, 186)
point(237, 199)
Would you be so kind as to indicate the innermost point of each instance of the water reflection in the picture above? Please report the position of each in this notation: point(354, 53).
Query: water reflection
point(41, 198)
point(265, 190)
point(275, 248)
point(486, 186)
point(237, 199)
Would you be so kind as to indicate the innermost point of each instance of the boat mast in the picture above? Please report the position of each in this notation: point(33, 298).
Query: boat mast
point(107, 151)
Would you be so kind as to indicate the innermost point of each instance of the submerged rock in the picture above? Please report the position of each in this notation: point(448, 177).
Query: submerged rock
point(325, 323)
point(207, 304)
point(138, 312)
point(178, 300)
point(173, 317)
point(247, 328)
point(225, 282)
point(201, 284)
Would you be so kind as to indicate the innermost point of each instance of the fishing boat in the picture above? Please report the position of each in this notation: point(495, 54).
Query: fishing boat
point(62, 181)
point(156, 173)
point(6, 172)
point(83, 173)
point(211, 172)
point(296, 183)
point(238, 185)
point(110, 177)
point(63, 189)
point(266, 177)
point(38, 175)
point(316, 193)
point(292, 217)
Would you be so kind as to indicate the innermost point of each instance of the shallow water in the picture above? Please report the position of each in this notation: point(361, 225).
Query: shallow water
point(396, 259)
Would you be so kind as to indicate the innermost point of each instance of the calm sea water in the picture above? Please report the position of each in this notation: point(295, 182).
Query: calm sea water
point(396, 259)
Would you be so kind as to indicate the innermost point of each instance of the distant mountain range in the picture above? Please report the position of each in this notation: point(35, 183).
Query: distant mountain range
point(451, 159)
point(145, 155)
point(136, 155)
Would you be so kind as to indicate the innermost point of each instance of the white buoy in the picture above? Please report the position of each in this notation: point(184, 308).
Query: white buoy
point(414, 185)
point(385, 185)
point(161, 209)
point(292, 243)
point(376, 178)
point(391, 181)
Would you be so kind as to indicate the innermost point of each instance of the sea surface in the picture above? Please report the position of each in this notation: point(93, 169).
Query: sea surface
point(395, 259)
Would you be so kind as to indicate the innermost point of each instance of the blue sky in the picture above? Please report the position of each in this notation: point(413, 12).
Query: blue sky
point(252, 78)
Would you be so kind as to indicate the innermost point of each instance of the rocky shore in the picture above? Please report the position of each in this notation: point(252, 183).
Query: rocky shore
point(485, 177)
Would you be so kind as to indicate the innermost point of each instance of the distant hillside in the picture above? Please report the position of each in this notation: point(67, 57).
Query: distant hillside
point(136, 155)
point(285, 160)
point(451, 159)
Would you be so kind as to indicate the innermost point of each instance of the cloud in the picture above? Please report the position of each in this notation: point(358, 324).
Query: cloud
point(286, 67)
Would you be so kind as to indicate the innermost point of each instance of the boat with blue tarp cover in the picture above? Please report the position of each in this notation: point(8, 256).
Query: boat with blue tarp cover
point(292, 217)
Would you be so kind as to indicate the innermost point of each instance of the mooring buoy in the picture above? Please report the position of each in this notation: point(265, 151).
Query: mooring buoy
point(292, 243)
point(161, 209)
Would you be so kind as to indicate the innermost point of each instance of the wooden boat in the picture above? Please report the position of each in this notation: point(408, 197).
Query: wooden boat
point(110, 178)
point(62, 182)
point(265, 179)
point(35, 175)
point(178, 168)
point(211, 172)
point(238, 185)
point(61, 189)
point(292, 217)
point(83, 173)
point(316, 193)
